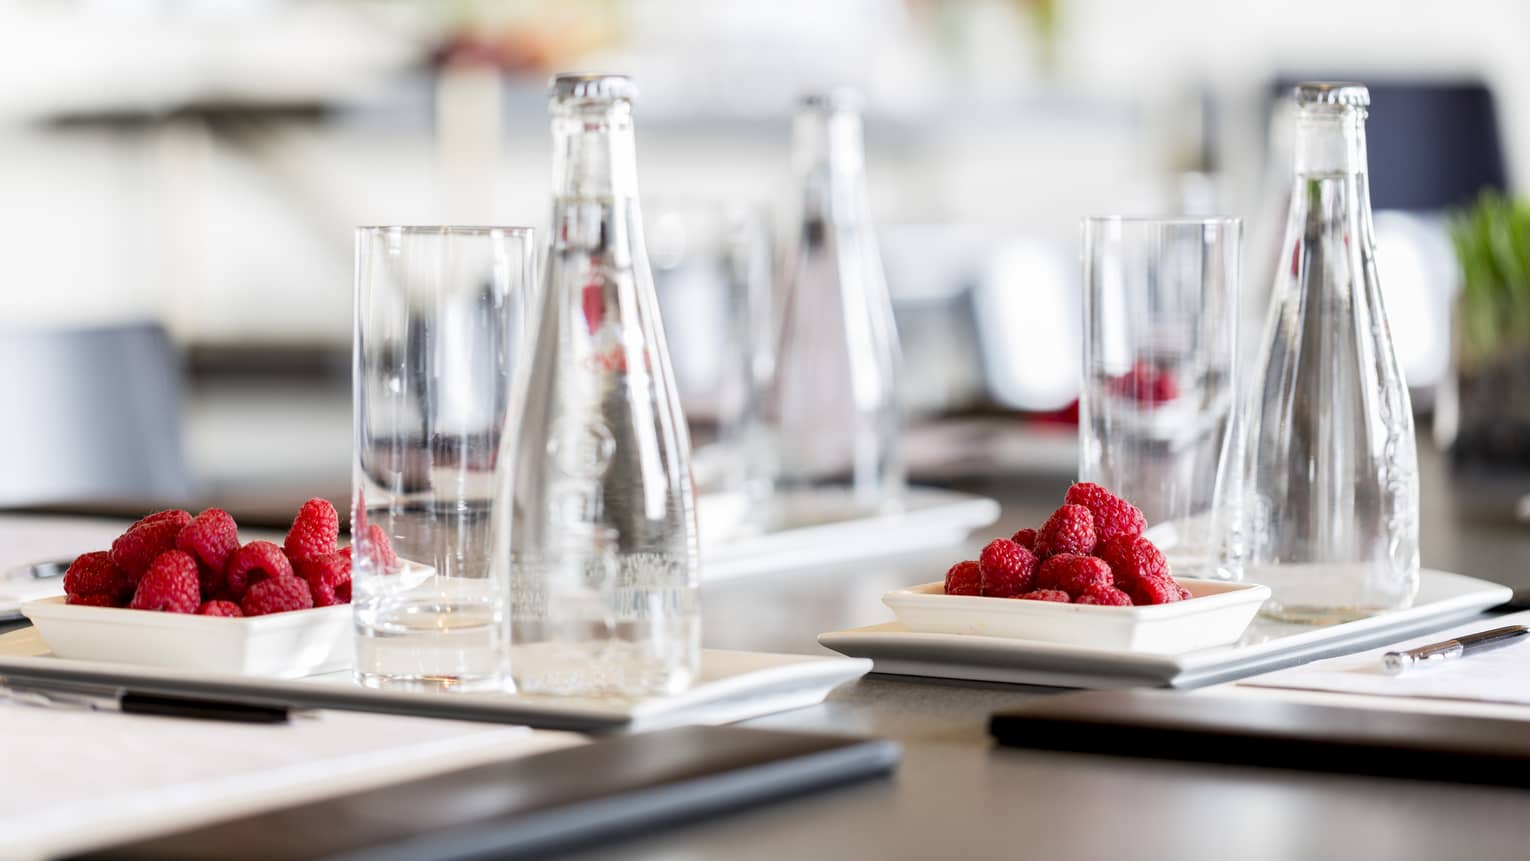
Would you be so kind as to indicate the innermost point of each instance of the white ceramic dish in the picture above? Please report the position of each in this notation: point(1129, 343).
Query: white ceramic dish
point(1444, 599)
point(281, 645)
point(1216, 615)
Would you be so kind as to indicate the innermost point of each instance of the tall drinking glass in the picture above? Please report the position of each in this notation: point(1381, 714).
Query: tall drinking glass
point(439, 319)
point(1160, 323)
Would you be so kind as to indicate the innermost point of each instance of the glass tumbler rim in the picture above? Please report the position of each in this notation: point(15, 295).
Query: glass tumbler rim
point(1168, 220)
point(448, 229)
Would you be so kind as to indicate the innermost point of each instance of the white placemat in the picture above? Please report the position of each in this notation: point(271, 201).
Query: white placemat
point(84, 779)
point(1500, 676)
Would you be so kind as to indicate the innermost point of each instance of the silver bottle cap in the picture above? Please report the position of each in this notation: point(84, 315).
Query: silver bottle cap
point(603, 88)
point(832, 101)
point(1332, 93)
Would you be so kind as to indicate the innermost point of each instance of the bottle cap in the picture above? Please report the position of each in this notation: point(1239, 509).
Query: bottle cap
point(831, 101)
point(1332, 93)
point(605, 88)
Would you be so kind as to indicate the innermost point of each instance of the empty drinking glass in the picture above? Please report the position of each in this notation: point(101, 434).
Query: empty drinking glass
point(439, 316)
point(1160, 317)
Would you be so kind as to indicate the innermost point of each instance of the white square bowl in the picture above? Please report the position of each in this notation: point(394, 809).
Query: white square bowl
point(1215, 615)
point(280, 645)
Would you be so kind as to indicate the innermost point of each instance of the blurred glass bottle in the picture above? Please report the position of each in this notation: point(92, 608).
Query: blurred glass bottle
point(833, 403)
point(1266, 230)
point(604, 551)
point(1330, 519)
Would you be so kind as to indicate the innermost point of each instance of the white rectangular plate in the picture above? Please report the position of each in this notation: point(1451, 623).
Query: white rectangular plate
point(733, 686)
point(811, 530)
point(1216, 615)
point(1443, 599)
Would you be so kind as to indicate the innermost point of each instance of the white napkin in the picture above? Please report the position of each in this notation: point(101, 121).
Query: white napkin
point(1500, 676)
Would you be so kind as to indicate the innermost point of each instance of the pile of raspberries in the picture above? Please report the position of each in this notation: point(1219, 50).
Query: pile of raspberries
point(1090, 551)
point(176, 563)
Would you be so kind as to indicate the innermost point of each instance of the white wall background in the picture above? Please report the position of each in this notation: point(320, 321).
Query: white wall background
point(247, 236)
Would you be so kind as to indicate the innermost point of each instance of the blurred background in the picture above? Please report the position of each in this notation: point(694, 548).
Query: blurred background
point(179, 182)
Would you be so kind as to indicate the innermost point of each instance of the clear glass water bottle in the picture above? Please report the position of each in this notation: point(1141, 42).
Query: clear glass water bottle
point(832, 407)
point(1330, 519)
point(604, 557)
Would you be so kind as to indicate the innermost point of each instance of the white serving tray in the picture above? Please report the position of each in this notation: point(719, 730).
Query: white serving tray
point(733, 686)
point(1443, 599)
point(1216, 615)
point(812, 530)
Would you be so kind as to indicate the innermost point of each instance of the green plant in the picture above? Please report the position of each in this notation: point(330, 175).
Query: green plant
point(1492, 242)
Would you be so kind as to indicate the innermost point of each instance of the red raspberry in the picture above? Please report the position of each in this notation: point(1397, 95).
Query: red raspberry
point(96, 600)
point(211, 537)
point(1146, 383)
point(1105, 596)
point(170, 584)
point(315, 531)
point(1073, 574)
point(276, 595)
point(219, 608)
point(94, 574)
point(329, 578)
point(964, 579)
point(174, 514)
point(254, 562)
point(1184, 594)
point(1025, 538)
point(1134, 558)
point(145, 540)
point(1111, 514)
point(1007, 569)
point(1151, 590)
point(375, 545)
point(1054, 595)
point(1070, 529)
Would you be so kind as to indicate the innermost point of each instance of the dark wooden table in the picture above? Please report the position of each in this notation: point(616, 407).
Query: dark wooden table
point(958, 796)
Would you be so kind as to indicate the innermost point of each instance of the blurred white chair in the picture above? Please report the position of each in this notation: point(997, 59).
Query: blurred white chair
point(90, 415)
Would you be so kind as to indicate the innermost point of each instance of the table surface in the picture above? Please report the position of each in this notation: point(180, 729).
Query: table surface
point(957, 795)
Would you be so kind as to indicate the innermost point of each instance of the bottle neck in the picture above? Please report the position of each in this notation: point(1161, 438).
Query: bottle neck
point(595, 181)
point(1330, 140)
point(828, 158)
point(594, 158)
point(827, 141)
